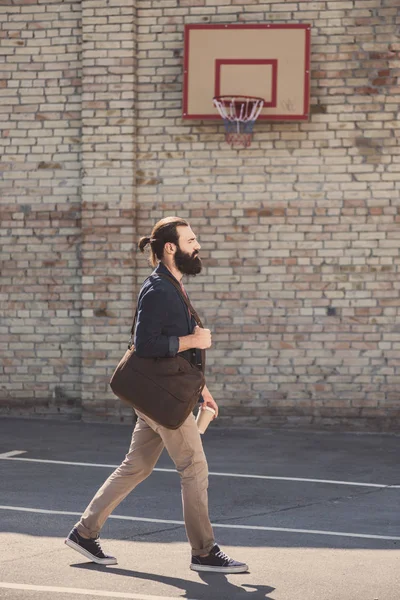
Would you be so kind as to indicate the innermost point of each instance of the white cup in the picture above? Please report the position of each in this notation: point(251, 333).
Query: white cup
point(204, 418)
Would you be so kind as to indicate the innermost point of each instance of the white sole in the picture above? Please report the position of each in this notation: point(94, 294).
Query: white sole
point(210, 569)
point(99, 561)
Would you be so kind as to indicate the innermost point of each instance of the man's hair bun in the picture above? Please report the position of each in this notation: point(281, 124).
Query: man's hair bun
point(143, 242)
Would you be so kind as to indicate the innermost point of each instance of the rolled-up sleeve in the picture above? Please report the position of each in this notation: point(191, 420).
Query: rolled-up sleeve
point(150, 342)
point(173, 345)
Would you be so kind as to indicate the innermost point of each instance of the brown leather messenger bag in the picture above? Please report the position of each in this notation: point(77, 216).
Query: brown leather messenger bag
point(164, 389)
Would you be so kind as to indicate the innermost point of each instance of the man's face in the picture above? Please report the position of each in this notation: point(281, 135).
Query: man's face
point(186, 256)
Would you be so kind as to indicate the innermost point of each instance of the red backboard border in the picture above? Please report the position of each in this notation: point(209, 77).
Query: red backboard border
point(304, 116)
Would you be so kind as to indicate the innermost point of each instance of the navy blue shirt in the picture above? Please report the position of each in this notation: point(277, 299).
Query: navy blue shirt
point(163, 317)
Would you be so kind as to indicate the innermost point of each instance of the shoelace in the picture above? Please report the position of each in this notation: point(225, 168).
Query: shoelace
point(223, 556)
point(97, 542)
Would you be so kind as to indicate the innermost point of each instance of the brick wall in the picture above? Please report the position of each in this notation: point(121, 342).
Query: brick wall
point(40, 121)
point(109, 67)
point(300, 233)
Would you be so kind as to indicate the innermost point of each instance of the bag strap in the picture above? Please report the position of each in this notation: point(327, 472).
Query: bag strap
point(185, 298)
point(192, 311)
point(188, 304)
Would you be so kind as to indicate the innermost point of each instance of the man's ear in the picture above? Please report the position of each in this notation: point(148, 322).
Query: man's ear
point(170, 248)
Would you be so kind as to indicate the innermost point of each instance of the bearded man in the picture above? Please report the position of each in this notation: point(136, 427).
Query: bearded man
point(164, 328)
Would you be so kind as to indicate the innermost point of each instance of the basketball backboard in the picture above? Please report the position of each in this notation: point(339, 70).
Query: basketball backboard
point(271, 61)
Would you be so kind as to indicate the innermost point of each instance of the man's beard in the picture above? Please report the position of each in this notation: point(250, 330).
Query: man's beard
point(188, 264)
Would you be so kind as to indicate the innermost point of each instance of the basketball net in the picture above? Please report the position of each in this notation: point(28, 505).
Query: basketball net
point(239, 114)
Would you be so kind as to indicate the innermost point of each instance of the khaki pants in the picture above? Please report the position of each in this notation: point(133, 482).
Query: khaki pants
point(186, 450)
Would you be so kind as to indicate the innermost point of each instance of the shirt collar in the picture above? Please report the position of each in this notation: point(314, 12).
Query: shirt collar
point(161, 268)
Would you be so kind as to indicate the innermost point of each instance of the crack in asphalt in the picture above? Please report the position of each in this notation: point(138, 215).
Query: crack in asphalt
point(24, 556)
point(305, 505)
point(148, 533)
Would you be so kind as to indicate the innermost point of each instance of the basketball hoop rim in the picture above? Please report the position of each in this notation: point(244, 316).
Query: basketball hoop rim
point(238, 97)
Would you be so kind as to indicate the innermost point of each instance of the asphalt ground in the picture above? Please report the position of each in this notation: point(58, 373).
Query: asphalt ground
point(314, 514)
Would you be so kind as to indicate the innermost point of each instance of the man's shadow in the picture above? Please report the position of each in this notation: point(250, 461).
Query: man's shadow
point(218, 587)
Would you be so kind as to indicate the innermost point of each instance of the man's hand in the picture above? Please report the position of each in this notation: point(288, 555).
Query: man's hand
point(201, 338)
point(209, 401)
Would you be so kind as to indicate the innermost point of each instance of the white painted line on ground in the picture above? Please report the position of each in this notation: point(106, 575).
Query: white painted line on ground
point(240, 475)
point(12, 453)
point(83, 592)
point(222, 525)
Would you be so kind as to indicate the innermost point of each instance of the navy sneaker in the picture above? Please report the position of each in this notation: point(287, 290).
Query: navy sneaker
point(217, 562)
point(89, 547)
